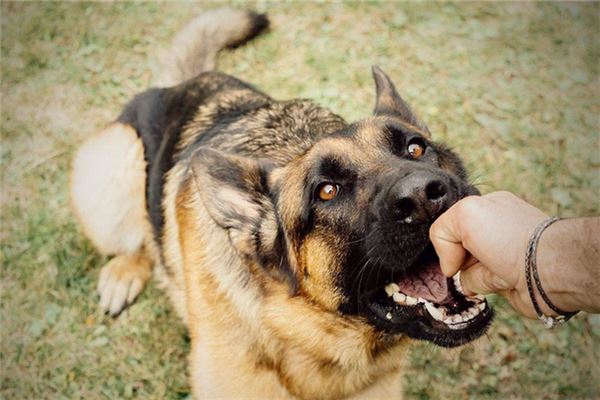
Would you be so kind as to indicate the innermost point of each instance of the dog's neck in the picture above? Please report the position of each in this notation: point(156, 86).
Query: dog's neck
point(292, 357)
point(293, 348)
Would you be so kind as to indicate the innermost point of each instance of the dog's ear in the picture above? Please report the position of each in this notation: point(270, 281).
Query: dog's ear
point(388, 101)
point(235, 191)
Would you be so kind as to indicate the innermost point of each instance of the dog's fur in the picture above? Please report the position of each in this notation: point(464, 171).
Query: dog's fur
point(211, 182)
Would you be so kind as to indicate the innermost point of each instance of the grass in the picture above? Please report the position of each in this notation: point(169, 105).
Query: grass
point(512, 87)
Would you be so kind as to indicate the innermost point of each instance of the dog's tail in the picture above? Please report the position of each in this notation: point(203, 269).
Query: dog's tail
point(194, 48)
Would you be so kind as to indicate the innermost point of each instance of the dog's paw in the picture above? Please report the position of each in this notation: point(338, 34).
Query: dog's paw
point(121, 281)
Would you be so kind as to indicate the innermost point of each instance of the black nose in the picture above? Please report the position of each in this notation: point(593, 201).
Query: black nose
point(418, 197)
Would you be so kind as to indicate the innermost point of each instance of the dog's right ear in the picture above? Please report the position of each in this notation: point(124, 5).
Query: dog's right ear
point(388, 101)
point(235, 191)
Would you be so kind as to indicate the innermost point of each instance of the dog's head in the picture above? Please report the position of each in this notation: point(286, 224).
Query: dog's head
point(346, 223)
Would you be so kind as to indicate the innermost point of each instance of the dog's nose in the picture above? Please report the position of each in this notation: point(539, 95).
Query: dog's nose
point(417, 198)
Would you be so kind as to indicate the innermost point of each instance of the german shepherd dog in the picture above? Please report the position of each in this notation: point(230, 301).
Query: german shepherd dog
point(294, 245)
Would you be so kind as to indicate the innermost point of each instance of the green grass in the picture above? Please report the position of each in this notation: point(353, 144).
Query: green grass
point(513, 87)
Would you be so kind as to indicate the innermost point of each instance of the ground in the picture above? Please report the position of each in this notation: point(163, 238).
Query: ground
point(514, 88)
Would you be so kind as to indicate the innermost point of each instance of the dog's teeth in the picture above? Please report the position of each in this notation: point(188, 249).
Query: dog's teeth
point(457, 326)
point(389, 290)
point(465, 315)
point(456, 279)
point(453, 319)
point(421, 300)
point(388, 315)
point(457, 318)
point(399, 297)
point(434, 311)
point(479, 297)
point(411, 301)
point(481, 306)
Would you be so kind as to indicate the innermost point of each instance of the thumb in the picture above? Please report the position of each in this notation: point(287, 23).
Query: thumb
point(479, 279)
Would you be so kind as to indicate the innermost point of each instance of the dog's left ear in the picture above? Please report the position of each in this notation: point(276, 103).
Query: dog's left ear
point(235, 192)
point(388, 101)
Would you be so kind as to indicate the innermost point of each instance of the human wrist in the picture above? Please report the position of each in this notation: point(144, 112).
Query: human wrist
point(561, 268)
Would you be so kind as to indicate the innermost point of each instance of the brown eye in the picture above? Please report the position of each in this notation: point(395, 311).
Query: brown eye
point(328, 191)
point(416, 150)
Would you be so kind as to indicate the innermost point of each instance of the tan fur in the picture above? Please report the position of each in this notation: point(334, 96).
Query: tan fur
point(108, 195)
point(320, 262)
point(122, 280)
point(194, 48)
point(258, 342)
point(173, 279)
point(107, 190)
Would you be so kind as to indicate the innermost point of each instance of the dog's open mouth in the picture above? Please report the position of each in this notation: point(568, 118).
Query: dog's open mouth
point(425, 304)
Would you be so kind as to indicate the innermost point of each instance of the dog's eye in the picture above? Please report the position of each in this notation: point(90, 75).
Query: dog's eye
point(416, 148)
point(327, 191)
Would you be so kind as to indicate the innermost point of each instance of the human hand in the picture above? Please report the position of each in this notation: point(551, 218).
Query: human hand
point(486, 237)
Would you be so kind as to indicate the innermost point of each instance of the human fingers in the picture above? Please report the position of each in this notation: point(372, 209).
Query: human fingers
point(446, 238)
point(478, 279)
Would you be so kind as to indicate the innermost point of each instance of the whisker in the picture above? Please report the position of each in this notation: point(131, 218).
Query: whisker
point(363, 269)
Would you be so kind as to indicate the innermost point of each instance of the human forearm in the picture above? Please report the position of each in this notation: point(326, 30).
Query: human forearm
point(568, 259)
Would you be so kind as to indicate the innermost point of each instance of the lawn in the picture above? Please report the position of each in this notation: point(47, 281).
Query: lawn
point(514, 88)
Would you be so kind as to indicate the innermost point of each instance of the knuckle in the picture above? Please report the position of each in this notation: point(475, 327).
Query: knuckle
point(435, 228)
point(468, 206)
point(502, 195)
point(467, 212)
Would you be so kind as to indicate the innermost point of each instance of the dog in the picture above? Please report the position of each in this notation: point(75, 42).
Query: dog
point(293, 245)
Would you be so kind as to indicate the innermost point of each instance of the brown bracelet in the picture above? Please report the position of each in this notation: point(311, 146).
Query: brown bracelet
point(531, 270)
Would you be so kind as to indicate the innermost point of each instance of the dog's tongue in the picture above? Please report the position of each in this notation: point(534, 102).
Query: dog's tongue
point(428, 283)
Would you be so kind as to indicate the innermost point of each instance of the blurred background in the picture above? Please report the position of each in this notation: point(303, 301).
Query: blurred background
point(512, 87)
